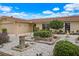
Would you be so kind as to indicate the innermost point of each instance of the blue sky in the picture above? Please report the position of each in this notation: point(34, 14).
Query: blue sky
point(38, 10)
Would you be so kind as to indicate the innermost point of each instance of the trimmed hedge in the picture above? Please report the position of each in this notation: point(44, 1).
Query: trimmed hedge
point(65, 48)
point(43, 33)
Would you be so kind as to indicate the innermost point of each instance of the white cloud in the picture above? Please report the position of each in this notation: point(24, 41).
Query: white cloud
point(47, 12)
point(61, 14)
point(33, 16)
point(65, 12)
point(16, 8)
point(5, 8)
point(71, 7)
point(18, 14)
point(55, 9)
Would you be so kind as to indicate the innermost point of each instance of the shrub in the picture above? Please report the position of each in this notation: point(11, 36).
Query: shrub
point(4, 30)
point(56, 24)
point(43, 33)
point(65, 48)
point(60, 31)
point(55, 32)
point(36, 28)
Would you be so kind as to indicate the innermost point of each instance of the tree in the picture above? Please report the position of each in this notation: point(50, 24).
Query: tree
point(56, 24)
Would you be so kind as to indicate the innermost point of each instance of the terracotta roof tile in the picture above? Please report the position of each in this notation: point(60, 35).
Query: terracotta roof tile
point(42, 20)
point(17, 19)
point(69, 18)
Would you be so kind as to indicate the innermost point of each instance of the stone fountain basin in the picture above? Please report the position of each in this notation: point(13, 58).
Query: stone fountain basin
point(18, 48)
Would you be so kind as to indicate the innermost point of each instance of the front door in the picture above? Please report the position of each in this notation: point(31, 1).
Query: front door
point(67, 27)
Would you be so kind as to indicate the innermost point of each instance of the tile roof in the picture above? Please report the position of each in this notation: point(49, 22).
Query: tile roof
point(42, 20)
point(68, 18)
point(17, 19)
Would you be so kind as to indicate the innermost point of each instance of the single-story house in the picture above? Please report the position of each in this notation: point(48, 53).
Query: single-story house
point(20, 26)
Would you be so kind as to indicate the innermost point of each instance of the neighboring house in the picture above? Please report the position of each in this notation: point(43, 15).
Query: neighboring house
point(20, 26)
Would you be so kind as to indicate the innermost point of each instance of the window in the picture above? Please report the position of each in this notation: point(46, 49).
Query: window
point(45, 26)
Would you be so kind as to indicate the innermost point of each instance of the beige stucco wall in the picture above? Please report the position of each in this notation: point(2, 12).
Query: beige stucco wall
point(9, 25)
point(30, 27)
point(39, 26)
point(11, 28)
point(15, 28)
point(74, 26)
point(24, 28)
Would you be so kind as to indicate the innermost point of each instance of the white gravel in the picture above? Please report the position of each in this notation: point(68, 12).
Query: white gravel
point(34, 49)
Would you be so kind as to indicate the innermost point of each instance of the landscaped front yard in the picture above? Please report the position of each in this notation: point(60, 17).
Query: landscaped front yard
point(35, 47)
point(41, 43)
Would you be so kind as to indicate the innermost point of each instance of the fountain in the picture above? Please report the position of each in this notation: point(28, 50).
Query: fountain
point(22, 46)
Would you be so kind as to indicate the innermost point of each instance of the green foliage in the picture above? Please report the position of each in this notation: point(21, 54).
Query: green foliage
point(56, 24)
point(65, 48)
point(60, 31)
point(43, 33)
point(4, 30)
